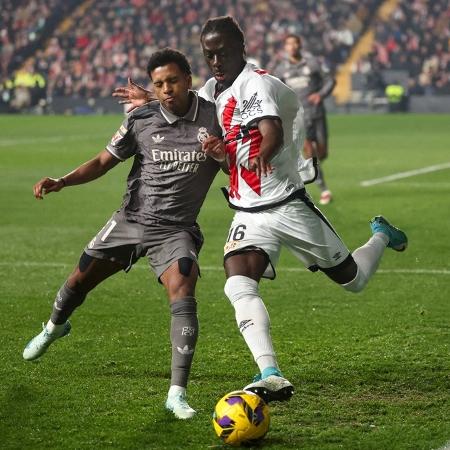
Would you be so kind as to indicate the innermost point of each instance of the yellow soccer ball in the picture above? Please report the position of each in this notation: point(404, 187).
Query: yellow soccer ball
point(241, 417)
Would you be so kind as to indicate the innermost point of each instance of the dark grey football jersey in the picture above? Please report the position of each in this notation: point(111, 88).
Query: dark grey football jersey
point(306, 77)
point(171, 174)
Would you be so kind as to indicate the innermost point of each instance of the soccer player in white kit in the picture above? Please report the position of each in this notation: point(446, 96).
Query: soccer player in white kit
point(261, 120)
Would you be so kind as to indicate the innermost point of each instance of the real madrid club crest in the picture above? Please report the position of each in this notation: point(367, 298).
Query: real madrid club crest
point(202, 134)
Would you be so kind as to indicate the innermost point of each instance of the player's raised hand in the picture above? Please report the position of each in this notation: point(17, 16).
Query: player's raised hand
point(215, 148)
point(260, 166)
point(47, 185)
point(133, 94)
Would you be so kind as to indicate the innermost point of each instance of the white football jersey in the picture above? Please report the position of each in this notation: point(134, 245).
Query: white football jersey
point(255, 95)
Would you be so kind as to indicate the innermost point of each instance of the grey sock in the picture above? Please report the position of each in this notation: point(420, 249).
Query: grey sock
point(183, 335)
point(65, 303)
point(320, 181)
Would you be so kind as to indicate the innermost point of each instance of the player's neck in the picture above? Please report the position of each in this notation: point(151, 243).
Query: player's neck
point(295, 59)
point(220, 87)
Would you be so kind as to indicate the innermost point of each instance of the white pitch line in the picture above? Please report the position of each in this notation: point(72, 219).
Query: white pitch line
point(445, 447)
point(400, 175)
point(46, 139)
point(220, 269)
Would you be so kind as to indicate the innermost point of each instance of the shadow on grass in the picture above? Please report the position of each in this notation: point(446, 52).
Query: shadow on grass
point(16, 410)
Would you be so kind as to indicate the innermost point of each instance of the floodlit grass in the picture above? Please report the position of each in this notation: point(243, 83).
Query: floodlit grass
point(372, 371)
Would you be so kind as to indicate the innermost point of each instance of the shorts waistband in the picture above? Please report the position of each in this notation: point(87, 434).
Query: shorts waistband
point(299, 194)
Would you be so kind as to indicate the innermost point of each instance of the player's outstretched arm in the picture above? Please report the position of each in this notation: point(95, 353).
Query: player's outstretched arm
point(133, 94)
point(272, 140)
point(88, 171)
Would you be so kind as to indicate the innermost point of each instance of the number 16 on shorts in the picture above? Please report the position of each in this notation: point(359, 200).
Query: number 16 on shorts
point(235, 235)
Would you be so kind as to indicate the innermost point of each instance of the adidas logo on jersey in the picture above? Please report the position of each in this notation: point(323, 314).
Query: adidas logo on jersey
point(157, 139)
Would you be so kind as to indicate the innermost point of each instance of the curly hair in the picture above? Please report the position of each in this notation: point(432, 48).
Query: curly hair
point(166, 56)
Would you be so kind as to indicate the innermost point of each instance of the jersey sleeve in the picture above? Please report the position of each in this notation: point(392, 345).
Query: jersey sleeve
point(207, 91)
point(328, 81)
point(258, 99)
point(123, 143)
point(217, 129)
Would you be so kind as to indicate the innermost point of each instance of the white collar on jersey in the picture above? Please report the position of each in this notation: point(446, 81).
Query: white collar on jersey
point(190, 115)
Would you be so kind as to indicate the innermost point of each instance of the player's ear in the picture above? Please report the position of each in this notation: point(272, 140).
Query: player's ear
point(189, 80)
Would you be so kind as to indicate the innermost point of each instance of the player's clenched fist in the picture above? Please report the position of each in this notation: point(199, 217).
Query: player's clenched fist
point(47, 185)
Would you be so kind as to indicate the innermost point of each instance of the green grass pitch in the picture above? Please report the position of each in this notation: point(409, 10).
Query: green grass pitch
point(372, 371)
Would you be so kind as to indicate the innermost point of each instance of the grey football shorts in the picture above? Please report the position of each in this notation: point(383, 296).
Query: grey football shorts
point(125, 242)
point(317, 130)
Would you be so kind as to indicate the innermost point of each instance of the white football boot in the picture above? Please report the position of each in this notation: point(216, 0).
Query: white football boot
point(176, 402)
point(40, 343)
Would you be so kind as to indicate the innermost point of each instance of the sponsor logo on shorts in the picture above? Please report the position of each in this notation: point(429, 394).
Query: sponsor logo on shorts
point(336, 256)
point(289, 187)
point(230, 246)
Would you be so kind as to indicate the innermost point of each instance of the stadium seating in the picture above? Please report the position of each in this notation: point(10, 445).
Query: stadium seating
point(84, 49)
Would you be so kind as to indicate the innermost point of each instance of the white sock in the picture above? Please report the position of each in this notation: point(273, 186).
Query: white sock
point(175, 390)
point(254, 325)
point(53, 328)
point(367, 258)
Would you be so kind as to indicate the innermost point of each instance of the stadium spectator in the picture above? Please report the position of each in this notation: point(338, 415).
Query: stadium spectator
point(165, 190)
point(416, 40)
point(95, 49)
point(87, 51)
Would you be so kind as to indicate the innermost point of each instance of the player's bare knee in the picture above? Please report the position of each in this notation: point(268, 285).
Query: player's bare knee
point(239, 286)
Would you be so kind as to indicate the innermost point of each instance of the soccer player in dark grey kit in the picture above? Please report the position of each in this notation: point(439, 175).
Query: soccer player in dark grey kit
point(312, 82)
point(166, 187)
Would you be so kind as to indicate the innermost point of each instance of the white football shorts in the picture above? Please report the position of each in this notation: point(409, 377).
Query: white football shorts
point(297, 225)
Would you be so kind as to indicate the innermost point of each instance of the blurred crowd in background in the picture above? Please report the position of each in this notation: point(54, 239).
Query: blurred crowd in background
point(83, 49)
point(416, 40)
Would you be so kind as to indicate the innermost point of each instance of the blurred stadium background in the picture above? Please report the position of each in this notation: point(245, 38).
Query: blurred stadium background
point(66, 56)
